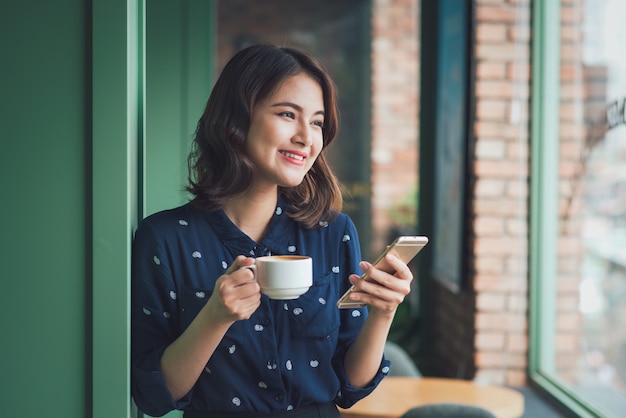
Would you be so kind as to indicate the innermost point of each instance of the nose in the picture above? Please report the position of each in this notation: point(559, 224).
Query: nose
point(304, 134)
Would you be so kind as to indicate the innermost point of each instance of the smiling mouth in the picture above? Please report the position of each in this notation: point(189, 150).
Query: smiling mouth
point(294, 156)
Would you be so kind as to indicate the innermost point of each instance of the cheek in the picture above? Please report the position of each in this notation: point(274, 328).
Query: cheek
point(314, 156)
point(258, 138)
point(318, 144)
point(254, 148)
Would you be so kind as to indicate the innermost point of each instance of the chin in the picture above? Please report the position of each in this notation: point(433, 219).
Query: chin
point(289, 184)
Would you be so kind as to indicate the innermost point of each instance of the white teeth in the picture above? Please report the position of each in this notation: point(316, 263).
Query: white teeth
point(294, 156)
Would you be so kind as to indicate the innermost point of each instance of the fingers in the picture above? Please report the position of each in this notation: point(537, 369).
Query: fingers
point(239, 295)
point(400, 278)
point(242, 307)
point(237, 301)
point(383, 290)
point(237, 273)
point(240, 261)
point(238, 282)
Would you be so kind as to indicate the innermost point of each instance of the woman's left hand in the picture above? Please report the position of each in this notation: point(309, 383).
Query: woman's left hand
point(382, 291)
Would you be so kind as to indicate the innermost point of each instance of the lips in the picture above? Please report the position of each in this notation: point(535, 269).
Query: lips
point(297, 156)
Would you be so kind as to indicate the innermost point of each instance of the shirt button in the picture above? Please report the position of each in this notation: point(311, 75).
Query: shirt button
point(278, 398)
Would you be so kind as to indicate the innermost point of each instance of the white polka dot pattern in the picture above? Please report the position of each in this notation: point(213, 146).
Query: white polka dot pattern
point(304, 328)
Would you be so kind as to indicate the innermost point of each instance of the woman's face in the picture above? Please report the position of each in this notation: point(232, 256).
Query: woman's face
point(285, 135)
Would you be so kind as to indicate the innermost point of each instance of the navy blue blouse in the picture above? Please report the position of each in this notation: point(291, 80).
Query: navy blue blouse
point(288, 354)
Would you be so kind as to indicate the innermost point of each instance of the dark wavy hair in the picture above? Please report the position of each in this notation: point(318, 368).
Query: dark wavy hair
point(219, 167)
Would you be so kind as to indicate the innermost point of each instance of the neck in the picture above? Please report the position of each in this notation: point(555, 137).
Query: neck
point(251, 213)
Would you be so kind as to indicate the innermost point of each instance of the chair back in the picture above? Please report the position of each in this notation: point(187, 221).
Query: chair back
point(401, 363)
point(448, 410)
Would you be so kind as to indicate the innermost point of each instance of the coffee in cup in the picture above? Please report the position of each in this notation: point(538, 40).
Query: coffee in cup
point(283, 276)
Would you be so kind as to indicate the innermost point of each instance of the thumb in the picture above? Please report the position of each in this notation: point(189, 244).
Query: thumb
point(240, 261)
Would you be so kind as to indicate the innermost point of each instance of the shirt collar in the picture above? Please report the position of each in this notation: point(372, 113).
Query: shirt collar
point(279, 238)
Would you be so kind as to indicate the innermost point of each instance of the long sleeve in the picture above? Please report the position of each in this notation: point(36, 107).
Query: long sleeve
point(351, 323)
point(154, 315)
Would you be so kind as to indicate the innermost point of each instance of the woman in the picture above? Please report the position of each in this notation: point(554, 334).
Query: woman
point(204, 339)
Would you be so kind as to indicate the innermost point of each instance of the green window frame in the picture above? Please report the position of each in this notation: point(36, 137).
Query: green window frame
point(128, 151)
point(117, 80)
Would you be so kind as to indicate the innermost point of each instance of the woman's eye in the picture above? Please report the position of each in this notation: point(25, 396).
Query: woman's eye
point(319, 123)
point(287, 114)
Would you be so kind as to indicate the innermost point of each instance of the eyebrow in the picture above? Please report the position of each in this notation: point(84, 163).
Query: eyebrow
point(296, 106)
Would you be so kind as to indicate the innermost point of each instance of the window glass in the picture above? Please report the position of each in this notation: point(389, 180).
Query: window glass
point(589, 347)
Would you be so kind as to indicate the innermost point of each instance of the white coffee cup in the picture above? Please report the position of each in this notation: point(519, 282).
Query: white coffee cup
point(283, 276)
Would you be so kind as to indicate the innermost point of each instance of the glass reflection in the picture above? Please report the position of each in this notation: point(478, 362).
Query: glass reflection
point(591, 307)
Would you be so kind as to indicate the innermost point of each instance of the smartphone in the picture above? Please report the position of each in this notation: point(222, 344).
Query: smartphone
point(403, 247)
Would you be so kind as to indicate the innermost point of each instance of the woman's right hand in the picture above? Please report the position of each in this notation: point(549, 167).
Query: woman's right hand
point(236, 294)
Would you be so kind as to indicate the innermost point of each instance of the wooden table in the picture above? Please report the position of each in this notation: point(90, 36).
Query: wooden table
point(395, 395)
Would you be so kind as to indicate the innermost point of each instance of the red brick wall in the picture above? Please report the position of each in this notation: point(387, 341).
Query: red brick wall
point(395, 107)
point(500, 193)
